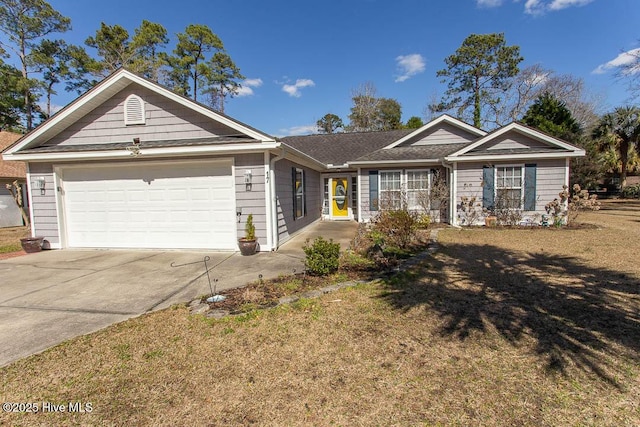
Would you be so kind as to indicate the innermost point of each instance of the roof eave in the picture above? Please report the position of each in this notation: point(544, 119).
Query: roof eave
point(523, 156)
point(143, 153)
point(362, 163)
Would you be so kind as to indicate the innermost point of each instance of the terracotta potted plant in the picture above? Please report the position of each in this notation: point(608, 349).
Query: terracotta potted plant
point(31, 244)
point(248, 243)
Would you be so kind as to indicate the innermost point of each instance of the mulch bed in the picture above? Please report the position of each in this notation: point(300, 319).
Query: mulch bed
point(267, 293)
point(8, 255)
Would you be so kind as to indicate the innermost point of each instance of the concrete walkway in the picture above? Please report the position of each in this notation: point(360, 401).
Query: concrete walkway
point(340, 231)
point(52, 296)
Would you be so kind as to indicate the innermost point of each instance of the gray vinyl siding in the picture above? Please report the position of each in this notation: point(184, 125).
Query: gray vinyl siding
point(45, 215)
point(442, 134)
point(251, 200)
point(550, 177)
point(509, 141)
point(165, 119)
point(287, 225)
point(363, 188)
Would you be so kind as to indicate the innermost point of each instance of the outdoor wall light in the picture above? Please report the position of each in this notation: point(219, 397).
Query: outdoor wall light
point(39, 182)
point(247, 179)
point(134, 149)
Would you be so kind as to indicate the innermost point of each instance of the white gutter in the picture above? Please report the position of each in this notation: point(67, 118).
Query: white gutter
point(144, 152)
point(275, 241)
point(498, 157)
point(393, 162)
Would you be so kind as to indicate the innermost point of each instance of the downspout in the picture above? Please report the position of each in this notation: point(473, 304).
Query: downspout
point(274, 199)
point(452, 193)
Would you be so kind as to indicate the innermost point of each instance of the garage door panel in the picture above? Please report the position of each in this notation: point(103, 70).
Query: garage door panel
point(151, 206)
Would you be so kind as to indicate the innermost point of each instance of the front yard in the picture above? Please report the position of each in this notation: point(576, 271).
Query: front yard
point(529, 327)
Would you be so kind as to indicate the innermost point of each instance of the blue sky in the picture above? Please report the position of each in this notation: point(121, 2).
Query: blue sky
point(303, 58)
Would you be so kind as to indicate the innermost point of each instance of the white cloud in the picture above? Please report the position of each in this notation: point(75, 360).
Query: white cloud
point(294, 89)
point(409, 66)
point(299, 130)
point(538, 7)
point(247, 87)
point(625, 58)
point(489, 3)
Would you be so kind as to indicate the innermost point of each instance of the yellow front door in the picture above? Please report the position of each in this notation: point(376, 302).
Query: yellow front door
point(339, 197)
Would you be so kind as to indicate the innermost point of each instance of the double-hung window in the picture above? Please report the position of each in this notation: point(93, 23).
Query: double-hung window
point(390, 189)
point(509, 187)
point(417, 189)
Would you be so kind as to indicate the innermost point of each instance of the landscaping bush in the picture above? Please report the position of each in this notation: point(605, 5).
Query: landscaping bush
point(631, 192)
point(322, 257)
point(566, 208)
point(395, 227)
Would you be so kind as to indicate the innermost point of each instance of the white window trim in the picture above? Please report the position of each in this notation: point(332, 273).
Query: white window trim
point(522, 183)
point(142, 118)
point(381, 191)
point(428, 189)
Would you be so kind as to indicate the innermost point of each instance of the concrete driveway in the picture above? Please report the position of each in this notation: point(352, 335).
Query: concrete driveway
point(52, 296)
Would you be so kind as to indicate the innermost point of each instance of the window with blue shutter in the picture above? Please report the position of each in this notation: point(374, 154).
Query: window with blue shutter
point(530, 187)
point(373, 190)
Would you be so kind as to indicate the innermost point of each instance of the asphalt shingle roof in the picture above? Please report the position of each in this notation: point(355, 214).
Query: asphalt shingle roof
point(340, 148)
point(419, 152)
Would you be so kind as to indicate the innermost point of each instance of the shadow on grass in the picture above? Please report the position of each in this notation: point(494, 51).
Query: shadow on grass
point(576, 314)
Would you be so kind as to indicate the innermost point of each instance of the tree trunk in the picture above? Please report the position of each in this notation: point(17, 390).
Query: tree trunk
point(476, 105)
point(624, 159)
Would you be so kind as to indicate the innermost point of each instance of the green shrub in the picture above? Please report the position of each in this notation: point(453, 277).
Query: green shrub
point(631, 192)
point(423, 221)
point(322, 257)
point(250, 229)
point(397, 227)
point(352, 261)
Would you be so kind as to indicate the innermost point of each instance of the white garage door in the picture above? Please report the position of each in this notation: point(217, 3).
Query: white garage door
point(160, 205)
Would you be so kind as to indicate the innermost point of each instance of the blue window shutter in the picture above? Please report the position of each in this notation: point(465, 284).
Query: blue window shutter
point(304, 192)
point(530, 187)
point(293, 192)
point(488, 191)
point(373, 190)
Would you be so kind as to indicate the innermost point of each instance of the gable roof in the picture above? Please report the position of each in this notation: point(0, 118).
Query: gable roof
point(431, 153)
point(445, 118)
point(10, 169)
point(554, 146)
point(337, 149)
point(104, 90)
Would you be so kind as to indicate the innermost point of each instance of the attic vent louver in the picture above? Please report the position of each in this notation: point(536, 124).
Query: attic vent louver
point(134, 110)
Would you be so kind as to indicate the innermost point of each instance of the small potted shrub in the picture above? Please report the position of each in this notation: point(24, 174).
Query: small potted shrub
point(31, 244)
point(248, 243)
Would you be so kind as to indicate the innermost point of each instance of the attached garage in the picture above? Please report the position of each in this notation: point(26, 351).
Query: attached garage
point(176, 205)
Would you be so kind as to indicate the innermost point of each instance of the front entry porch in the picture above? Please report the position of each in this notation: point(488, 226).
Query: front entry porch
point(340, 196)
point(340, 231)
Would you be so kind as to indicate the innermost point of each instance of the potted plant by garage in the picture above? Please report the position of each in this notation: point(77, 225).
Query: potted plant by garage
point(248, 243)
point(31, 244)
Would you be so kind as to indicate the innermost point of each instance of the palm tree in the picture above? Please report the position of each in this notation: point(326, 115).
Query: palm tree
point(620, 131)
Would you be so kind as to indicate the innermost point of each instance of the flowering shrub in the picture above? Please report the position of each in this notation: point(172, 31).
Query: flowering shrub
point(566, 208)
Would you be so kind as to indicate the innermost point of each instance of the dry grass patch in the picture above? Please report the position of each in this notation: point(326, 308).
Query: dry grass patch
point(10, 238)
point(501, 327)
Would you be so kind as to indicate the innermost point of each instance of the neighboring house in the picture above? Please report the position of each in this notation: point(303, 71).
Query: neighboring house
point(10, 215)
point(130, 164)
